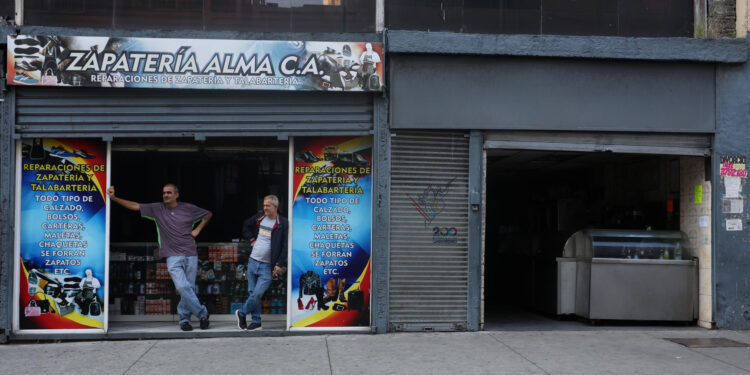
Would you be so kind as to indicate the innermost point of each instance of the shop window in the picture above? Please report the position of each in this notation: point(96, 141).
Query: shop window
point(421, 15)
point(513, 16)
point(656, 18)
point(70, 13)
point(159, 14)
point(248, 15)
point(664, 18)
point(7, 10)
point(580, 17)
point(292, 15)
point(240, 15)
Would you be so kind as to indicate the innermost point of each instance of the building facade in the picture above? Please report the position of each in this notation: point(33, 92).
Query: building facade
point(500, 130)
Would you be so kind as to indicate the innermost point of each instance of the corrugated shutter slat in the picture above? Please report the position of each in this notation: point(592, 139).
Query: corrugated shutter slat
point(428, 271)
point(70, 112)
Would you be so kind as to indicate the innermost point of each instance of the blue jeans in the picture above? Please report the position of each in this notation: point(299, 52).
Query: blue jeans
point(183, 270)
point(258, 281)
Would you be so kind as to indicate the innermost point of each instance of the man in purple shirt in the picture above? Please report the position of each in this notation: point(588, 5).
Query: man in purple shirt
point(174, 225)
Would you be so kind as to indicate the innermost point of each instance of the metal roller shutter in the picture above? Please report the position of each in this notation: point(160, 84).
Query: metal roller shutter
point(429, 231)
point(71, 112)
point(632, 143)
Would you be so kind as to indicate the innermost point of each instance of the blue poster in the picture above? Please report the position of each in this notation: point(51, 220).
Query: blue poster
point(331, 232)
point(62, 268)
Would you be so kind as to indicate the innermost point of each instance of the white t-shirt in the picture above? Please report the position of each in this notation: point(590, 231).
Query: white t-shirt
point(262, 248)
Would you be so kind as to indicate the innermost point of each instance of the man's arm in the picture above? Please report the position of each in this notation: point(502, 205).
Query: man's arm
point(247, 229)
point(130, 205)
point(280, 265)
point(202, 224)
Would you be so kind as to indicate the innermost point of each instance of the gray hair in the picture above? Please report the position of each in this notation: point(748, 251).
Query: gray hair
point(176, 189)
point(274, 200)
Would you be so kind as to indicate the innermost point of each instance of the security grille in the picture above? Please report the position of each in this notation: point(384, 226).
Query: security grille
point(73, 112)
point(632, 143)
point(429, 231)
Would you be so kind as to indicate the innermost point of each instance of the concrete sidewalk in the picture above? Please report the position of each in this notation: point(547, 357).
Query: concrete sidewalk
point(535, 352)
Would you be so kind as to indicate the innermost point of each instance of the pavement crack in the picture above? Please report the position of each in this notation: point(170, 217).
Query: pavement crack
point(519, 354)
point(328, 351)
point(139, 358)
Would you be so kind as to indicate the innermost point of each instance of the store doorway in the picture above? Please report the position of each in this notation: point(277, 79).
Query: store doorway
point(229, 177)
point(537, 199)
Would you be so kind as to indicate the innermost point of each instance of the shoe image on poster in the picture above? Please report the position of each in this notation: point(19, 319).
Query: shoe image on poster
point(84, 155)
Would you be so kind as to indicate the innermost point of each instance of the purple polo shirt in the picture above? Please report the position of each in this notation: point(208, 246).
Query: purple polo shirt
point(173, 226)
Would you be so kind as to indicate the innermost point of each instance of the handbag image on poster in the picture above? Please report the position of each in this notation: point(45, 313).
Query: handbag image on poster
point(356, 299)
point(43, 304)
point(32, 309)
point(95, 308)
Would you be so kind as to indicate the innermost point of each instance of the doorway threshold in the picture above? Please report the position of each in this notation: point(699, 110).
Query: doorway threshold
point(150, 330)
point(171, 330)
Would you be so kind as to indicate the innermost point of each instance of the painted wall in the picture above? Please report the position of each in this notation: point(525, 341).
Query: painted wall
point(471, 92)
point(695, 221)
point(731, 247)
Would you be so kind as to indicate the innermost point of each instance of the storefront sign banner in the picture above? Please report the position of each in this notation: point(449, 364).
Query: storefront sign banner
point(331, 232)
point(52, 60)
point(62, 260)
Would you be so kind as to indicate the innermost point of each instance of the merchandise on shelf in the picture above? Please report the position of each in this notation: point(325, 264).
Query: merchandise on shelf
point(140, 283)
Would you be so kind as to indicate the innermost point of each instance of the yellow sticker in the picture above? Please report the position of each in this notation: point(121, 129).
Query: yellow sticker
point(698, 194)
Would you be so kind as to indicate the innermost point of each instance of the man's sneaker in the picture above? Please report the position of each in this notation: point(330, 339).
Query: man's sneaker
point(241, 321)
point(254, 327)
point(186, 326)
point(204, 321)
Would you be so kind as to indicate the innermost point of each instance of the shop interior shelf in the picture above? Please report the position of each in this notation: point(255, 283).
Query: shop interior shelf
point(140, 283)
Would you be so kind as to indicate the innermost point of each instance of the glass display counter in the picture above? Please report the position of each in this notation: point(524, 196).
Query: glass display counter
point(628, 275)
point(141, 288)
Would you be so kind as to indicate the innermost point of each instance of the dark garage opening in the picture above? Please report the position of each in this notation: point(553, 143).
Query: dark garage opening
point(537, 199)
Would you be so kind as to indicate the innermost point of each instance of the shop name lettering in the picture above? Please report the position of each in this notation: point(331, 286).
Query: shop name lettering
point(733, 170)
point(53, 177)
point(63, 243)
point(180, 63)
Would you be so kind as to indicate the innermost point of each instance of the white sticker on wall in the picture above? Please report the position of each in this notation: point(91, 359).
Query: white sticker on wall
point(734, 225)
point(732, 187)
point(733, 205)
point(703, 221)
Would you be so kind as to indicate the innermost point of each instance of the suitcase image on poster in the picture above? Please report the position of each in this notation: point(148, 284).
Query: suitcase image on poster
point(95, 308)
point(356, 300)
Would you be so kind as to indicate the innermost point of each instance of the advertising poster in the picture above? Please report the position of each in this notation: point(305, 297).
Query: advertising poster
point(331, 232)
point(53, 60)
point(61, 242)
